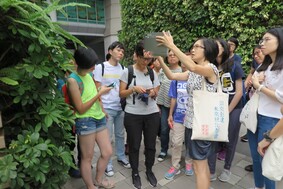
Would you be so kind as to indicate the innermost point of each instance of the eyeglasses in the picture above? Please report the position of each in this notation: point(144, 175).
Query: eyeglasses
point(198, 46)
point(231, 44)
point(171, 55)
point(256, 53)
point(146, 58)
point(264, 40)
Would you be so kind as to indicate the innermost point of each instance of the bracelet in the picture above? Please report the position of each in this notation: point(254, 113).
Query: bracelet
point(267, 137)
point(259, 88)
point(133, 89)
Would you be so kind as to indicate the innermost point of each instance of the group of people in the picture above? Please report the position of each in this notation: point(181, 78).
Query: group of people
point(158, 100)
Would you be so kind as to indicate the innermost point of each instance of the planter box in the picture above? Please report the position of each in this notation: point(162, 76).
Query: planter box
point(2, 139)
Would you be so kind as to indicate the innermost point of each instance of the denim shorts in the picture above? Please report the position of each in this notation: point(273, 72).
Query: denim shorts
point(199, 149)
point(89, 125)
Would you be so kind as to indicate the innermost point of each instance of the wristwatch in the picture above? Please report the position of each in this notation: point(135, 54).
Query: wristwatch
point(267, 137)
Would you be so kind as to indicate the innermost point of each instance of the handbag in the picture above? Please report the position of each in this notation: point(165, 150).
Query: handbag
point(272, 163)
point(211, 114)
point(248, 116)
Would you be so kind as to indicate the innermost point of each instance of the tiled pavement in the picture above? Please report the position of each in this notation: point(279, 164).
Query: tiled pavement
point(240, 179)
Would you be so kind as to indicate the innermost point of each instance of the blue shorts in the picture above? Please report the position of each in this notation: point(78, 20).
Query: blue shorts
point(199, 149)
point(89, 125)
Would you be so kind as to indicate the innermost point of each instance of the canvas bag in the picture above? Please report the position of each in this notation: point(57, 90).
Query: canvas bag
point(211, 114)
point(248, 116)
point(272, 163)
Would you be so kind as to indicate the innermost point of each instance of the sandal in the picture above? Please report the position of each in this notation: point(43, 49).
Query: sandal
point(105, 183)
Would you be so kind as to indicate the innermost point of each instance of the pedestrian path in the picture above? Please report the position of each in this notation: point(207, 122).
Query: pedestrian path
point(240, 179)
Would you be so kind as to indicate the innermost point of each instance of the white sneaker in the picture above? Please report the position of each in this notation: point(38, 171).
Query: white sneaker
point(225, 175)
point(109, 171)
point(125, 163)
point(213, 177)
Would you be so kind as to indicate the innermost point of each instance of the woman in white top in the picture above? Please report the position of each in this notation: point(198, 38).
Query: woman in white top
point(270, 100)
point(203, 52)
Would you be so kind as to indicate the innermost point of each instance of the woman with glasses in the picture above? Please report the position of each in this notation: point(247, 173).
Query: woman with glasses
point(258, 58)
point(141, 114)
point(203, 53)
point(270, 100)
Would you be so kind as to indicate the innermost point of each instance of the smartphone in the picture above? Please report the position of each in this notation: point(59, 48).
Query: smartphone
point(148, 90)
point(112, 84)
point(150, 44)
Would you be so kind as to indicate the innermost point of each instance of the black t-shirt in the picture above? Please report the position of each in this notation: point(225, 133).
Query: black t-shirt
point(228, 81)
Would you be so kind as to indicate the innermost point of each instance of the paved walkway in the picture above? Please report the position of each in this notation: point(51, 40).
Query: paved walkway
point(240, 179)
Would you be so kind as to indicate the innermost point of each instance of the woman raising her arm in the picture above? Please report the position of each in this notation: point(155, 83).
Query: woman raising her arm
point(203, 52)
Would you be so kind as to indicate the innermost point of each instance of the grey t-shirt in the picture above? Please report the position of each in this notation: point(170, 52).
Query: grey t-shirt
point(140, 107)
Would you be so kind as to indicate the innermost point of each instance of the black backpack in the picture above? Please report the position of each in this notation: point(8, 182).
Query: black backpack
point(130, 78)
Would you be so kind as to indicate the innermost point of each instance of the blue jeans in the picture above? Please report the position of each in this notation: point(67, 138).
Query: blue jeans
point(264, 124)
point(164, 129)
point(116, 119)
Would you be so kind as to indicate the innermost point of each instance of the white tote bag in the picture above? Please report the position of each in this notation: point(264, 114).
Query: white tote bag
point(248, 116)
point(272, 163)
point(211, 114)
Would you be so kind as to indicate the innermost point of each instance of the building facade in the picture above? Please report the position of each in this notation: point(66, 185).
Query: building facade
point(96, 26)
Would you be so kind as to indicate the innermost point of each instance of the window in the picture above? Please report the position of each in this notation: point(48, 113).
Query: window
point(94, 14)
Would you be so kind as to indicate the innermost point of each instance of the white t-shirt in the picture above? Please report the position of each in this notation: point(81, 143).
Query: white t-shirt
point(268, 106)
point(140, 107)
point(112, 74)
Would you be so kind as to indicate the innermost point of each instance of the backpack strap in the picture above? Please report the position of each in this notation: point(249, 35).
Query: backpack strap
point(102, 69)
point(79, 81)
point(130, 75)
point(151, 74)
point(130, 78)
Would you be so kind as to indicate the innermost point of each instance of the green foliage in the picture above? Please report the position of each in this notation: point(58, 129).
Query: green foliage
point(36, 119)
point(188, 20)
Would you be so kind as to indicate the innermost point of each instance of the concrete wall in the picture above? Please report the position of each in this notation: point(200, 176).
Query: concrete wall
point(113, 22)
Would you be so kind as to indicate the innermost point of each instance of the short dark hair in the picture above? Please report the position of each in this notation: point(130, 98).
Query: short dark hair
point(235, 41)
point(85, 57)
point(139, 49)
point(108, 56)
point(115, 44)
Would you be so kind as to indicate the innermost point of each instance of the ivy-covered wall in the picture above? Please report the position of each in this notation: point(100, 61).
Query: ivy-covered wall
point(189, 19)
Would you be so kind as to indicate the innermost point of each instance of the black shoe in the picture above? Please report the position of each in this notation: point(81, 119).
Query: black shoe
point(249, 168)
point(244, 138)
point(151, 178)
point(75, 173)
point(161, 157)
point(136, 181)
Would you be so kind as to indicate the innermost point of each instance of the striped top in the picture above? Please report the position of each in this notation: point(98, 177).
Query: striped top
point(162, 97)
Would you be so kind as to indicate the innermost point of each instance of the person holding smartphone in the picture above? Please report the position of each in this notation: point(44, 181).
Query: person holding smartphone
point(109, 74)
point(141, 114)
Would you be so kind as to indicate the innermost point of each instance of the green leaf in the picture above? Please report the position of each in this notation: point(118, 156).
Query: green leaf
point(34, 137)
point(42, 147)
point(48, 120)
point(31, 47)
point(8, 81)
point(37, 127)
